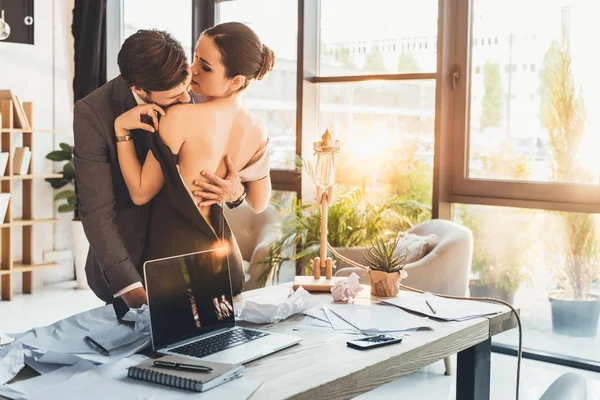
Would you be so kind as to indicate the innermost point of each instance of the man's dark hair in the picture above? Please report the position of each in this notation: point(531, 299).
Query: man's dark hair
point(153, 61)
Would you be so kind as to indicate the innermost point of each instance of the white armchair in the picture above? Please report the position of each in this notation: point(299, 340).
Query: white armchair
point(445, 269)
point(254, 233)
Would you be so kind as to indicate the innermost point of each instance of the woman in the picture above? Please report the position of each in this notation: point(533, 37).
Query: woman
point(198, 137)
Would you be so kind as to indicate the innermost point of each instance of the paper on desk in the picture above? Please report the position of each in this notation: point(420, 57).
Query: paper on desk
point(12, 360)
point(39, 384)
point(141, 317)
point(65, 337)
point(110, 381)
point(446, 309)
point(276, 306)
point(377, 318)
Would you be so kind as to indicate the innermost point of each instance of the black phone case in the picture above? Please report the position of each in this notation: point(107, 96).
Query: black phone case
point(372, 346)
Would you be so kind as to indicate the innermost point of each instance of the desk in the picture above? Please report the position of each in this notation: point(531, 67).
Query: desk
point(323, 367)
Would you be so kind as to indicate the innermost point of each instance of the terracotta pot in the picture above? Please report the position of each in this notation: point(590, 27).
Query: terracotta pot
point(384, 284)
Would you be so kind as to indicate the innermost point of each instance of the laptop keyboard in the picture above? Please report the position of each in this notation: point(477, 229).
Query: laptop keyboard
point(220, 342)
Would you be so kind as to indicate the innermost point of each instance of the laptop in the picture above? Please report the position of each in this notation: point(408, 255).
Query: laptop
point(191, 311)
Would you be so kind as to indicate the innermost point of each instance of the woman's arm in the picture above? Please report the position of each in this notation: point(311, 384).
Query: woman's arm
point(143, 181)
point(258, 194)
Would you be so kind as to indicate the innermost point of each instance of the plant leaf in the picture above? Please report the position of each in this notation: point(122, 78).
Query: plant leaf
point(69, 171)
point(66, 147)
point(65, 208)
point(59, 155)
point(57, 183)
point(65, 194)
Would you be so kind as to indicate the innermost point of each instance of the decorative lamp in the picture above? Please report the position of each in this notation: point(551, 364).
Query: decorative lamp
point(4, 26)
point(324, 177)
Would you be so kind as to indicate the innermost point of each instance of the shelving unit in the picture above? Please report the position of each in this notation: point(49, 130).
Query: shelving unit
point(25, 222)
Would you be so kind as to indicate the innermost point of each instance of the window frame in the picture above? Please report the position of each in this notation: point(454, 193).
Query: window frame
point(569, 197)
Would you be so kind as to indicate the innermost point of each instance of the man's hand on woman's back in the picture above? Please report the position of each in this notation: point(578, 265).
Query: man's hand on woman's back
point(218, 190)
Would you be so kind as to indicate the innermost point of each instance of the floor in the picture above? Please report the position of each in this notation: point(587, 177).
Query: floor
point(58, 301)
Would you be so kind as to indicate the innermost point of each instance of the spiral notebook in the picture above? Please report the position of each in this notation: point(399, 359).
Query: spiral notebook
point(196, 381)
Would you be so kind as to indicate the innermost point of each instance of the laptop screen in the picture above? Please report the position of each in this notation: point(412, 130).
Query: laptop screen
point(188, 296)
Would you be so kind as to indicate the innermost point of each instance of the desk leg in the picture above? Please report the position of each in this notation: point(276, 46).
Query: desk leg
point(473, 372)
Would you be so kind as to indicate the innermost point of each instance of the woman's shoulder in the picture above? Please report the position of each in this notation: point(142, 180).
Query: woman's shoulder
point(257, 128)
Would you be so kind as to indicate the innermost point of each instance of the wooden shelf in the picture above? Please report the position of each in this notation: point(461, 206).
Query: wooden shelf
point(20, 267)
point(29, 222)
point(9, 130)
point(15, 114)
point(29, 176)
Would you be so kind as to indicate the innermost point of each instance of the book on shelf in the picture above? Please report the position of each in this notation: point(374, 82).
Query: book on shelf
point(3, 162)
point(21, 160)
point(4, 200)
point(22, 114)
point(183, 378)
point(20, 118)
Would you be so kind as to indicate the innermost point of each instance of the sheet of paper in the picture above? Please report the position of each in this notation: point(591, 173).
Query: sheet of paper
point(63, 342)
point(446, 309)
point(39, 384)
point(110, 381)
point(317, 312)
point(12, 360)
point(311, 324)
point(377, 318)
point(338, 323)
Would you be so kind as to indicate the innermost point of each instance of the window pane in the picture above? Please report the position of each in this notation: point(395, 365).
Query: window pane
point(378, 37)
point(531, 85)
point(150, 14)
point(273, 99)
point(531, 256)
point(282, 199)
point(386, 130)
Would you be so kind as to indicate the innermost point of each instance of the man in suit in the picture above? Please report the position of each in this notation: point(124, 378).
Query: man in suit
point(154, 69)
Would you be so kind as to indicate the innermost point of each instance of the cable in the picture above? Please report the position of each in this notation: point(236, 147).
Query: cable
point(519, 355)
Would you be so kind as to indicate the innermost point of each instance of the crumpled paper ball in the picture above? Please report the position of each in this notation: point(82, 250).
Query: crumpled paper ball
point(276, 305)
point(141, 317)
point(348, 289)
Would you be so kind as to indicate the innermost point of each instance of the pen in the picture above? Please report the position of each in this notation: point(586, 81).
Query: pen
point(429, 305)
point(182, 366)
point(96, 346)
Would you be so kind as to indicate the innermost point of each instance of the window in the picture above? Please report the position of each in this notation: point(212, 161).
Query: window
point(512, 139)
point(360, 23)
point(273, 99)
point(386, 128)
point(149, 14)
point(386, 133)
point(522, 255)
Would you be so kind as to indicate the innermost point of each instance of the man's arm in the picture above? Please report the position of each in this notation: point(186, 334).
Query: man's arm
point(97, 202)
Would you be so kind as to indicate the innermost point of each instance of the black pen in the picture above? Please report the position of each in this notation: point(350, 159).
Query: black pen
point(96, 346)
point(429, 305)
point(181, 366)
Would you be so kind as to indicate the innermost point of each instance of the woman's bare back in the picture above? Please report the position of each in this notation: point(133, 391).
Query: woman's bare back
point(203, 134)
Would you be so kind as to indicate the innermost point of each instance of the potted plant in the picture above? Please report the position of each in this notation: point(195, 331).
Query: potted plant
point(386, 268)
point(502, 245)
point(574, 310)
point(71, 200)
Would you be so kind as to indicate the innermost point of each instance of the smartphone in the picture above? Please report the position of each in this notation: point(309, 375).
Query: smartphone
point(372, 342)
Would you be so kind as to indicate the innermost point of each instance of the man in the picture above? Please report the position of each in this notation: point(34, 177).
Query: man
point(154, 69)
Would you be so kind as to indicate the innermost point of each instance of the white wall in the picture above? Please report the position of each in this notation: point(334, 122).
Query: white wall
point(43, 74)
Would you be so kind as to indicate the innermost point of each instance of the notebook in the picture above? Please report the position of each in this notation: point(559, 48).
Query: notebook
point(196, 381)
